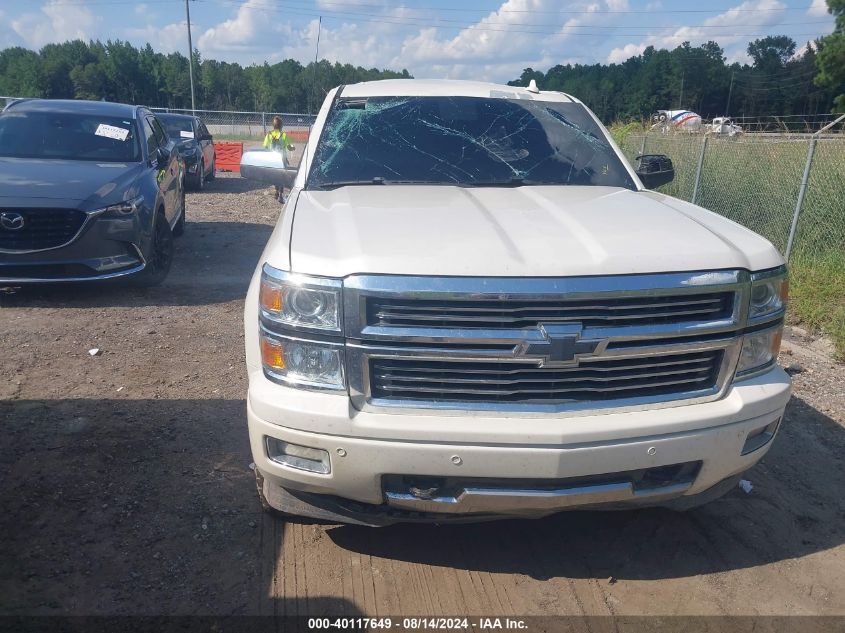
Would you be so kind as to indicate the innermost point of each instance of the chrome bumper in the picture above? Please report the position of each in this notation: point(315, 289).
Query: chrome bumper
point(516, 501)
point(18, 281)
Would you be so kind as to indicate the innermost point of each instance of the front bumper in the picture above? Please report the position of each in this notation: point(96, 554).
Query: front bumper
point(368, 449)
point(106, 248)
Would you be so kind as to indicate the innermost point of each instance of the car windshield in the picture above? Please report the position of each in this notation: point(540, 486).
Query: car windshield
point(65, 136)
point(466, 141)
point(177, 127)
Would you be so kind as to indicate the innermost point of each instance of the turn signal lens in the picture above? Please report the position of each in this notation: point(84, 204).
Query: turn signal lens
point(270, 296)
point(272, 354)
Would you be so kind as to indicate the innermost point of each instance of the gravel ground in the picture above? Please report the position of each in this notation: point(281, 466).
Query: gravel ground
point(126, 488)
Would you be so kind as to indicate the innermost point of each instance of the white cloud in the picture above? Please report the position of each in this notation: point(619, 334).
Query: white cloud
point(509, 33)
point(164, 39)
point(818, 9)
point(254, 28)
point(58, 21)
point(619, 55)
point(731, 27)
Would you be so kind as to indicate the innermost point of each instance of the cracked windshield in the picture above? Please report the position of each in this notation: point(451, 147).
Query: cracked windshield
point(465, 141)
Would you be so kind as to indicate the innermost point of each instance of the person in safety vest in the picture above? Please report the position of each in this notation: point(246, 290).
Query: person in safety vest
point(277, 140)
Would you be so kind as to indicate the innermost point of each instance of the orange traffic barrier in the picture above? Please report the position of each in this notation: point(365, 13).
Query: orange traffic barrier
point(300, 136)
point(228, 156)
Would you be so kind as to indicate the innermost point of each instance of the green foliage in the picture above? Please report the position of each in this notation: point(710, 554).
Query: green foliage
point(117, 71)
point(621, 131)
point(697, 78)
point(817, 294)
point(831, 57)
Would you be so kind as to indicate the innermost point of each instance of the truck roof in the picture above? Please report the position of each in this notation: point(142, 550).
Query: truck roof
point(447, 88)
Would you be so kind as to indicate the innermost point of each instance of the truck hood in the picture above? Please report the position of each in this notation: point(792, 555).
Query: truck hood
point(83, 184)
point(531, 231)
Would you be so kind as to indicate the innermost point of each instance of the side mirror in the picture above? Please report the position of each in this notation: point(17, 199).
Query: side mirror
point(655, 170)
point(162, 158)
point(267, 166)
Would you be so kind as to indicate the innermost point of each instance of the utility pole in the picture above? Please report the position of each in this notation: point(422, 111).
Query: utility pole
point(730, 91)
point(316, 55)
point(681, 100)
point(190, 57)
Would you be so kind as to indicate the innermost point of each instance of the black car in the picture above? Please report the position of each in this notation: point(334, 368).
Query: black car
point(88, 190)
point(194, 143)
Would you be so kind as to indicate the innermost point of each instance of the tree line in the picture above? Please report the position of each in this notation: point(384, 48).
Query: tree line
point(778, 82)
point(118, 71)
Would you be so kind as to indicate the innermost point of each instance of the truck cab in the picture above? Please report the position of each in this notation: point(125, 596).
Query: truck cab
point(473, 307)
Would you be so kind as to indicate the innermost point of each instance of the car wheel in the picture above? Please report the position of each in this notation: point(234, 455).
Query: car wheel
point(160, 257)
point(212, 172)
point(198, 179)
point(179, 227)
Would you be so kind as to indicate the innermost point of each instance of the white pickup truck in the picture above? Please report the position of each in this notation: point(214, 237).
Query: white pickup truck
point(473, 307)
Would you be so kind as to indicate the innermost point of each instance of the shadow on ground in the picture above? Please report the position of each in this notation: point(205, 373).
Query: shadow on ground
point(230, 183)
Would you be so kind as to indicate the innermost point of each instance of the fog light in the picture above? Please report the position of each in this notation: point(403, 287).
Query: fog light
point(313, 460)
point(760, 437)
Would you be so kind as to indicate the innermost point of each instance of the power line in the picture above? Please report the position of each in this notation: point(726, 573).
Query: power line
point(550, 12)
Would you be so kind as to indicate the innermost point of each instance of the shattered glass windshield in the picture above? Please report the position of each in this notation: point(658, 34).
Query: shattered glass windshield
point(466, 141)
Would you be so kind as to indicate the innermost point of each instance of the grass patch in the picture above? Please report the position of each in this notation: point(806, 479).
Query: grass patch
point(817, 295)
point(621, 131)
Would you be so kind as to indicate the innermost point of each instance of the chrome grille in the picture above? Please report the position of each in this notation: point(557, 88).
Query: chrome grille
point(542, 345)
point(615, 311)
point(42, 229)
point(595, 380)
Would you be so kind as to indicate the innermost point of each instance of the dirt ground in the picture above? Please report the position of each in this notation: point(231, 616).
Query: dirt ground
point(125, 484)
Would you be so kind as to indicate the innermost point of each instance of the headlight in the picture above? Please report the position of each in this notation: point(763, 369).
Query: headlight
point(302, 363)
point(124, 208)
point(759, 351)
point(303, 303)
point(768, 294)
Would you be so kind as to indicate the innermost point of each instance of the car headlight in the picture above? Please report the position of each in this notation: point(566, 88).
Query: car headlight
point(769, 291)
point(125, 208)
point(759, 351)
point(302, 363)
point(301, 303)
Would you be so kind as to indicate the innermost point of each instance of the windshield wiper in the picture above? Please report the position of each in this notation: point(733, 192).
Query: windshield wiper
point(336, 184)
point(378, 180)
point(515, 181)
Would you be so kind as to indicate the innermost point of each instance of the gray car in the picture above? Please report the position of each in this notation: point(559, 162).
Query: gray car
point(88, 190)
point(194, 144)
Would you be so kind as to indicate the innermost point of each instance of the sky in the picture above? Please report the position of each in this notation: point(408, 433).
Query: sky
point(491, 40)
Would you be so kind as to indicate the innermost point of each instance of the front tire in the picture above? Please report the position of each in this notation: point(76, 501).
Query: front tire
point(212, 172)
point(179, 227)
point(160, 256)
point(198, 181)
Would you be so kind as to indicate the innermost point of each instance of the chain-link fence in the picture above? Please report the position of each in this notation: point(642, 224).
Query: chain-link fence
point(790, 189)
point(227, 125)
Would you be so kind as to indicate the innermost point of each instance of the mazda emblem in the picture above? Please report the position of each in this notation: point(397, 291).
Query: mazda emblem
point(12, 220)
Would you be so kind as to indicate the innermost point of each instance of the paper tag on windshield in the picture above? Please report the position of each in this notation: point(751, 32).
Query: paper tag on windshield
point(110, 131)
point(185, 134)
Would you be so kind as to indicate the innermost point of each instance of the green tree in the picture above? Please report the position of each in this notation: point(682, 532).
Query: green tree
point(21, 73)
point(830, 60)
